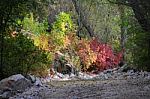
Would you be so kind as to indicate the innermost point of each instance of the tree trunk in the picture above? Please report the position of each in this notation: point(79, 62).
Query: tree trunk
point(141, 10)
point(83, 20)
point(123, 30)
point(141, 14)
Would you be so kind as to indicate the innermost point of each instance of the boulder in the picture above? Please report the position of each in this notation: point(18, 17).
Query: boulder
point(13, 84)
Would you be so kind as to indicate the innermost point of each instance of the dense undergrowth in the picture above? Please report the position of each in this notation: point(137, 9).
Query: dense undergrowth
point(33, 31)
point(32, 49)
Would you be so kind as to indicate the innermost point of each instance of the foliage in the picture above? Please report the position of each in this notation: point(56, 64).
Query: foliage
point(99, 54)
point(138, 42)
point(31, 51)
point(18, 9)
point(33, 26)
point(140, 54)
point(85, 53)
point(136, 45)
point(139, 51)
point(54, 40)
point(12, 10)
point(70, 50)
point(106, 58)
point(60, 28)
point(63, 23)
point(49, 42)
point(21, 56)
point(93, 53)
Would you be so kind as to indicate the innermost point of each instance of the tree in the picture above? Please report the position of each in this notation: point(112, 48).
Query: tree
point(82, 18)
point(11, 10)
point(123, 28)
point(141, 9)
point(8, 9)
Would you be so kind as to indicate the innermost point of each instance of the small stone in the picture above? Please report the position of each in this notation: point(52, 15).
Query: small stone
point(147, 77)
point(108, 71)
point(106, 77)
point(38, 82)
point(6, 95)
point(32, 78)
point(147, 88)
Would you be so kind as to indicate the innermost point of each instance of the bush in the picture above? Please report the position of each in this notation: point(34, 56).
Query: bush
point(33, 26)
point(60, 28)
point(98, 54)
point(21, 56)
point(106, 58)
point(139, 51)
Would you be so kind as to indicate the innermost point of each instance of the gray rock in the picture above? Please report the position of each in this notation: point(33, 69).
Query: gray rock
point(124, 68)
point(13, 84)
point(108, 71)
point(38, 82)
point(6, 95)
point(147, 77)
point(32, 78)
point(103, 76)
point(147, 88)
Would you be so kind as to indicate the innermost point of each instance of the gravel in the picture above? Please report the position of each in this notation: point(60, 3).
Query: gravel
point(90, 89)
point(110, 84)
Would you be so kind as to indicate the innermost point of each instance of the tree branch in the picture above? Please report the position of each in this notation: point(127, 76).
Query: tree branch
point(82, 19)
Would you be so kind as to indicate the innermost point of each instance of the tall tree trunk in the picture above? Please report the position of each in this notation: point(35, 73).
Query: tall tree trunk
point(1, 53)
point(141, 13)
point(82, 19)
point(141, 10)
point(123, 29)
point(1, 48)
point(4, 18)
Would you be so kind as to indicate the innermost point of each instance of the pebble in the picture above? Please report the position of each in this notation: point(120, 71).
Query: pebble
point(110, 74)
point(115, 73)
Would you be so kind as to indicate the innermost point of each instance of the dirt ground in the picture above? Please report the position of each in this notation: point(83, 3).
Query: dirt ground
point(90, 89)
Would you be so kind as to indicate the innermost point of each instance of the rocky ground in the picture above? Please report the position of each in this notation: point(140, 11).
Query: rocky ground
point(110, 84)
point(90, 89)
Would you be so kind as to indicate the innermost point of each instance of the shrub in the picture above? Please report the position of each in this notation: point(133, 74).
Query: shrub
point(21, 56)
point(98, 54)
point(60, 28)
point(138, 49)
point(33, 26)
point(106, 58)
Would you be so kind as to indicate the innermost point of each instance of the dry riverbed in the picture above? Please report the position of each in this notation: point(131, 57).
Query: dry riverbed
point(90, 89)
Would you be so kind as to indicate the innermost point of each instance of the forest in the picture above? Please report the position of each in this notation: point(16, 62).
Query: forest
point(109, 32)
point(43, 37)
